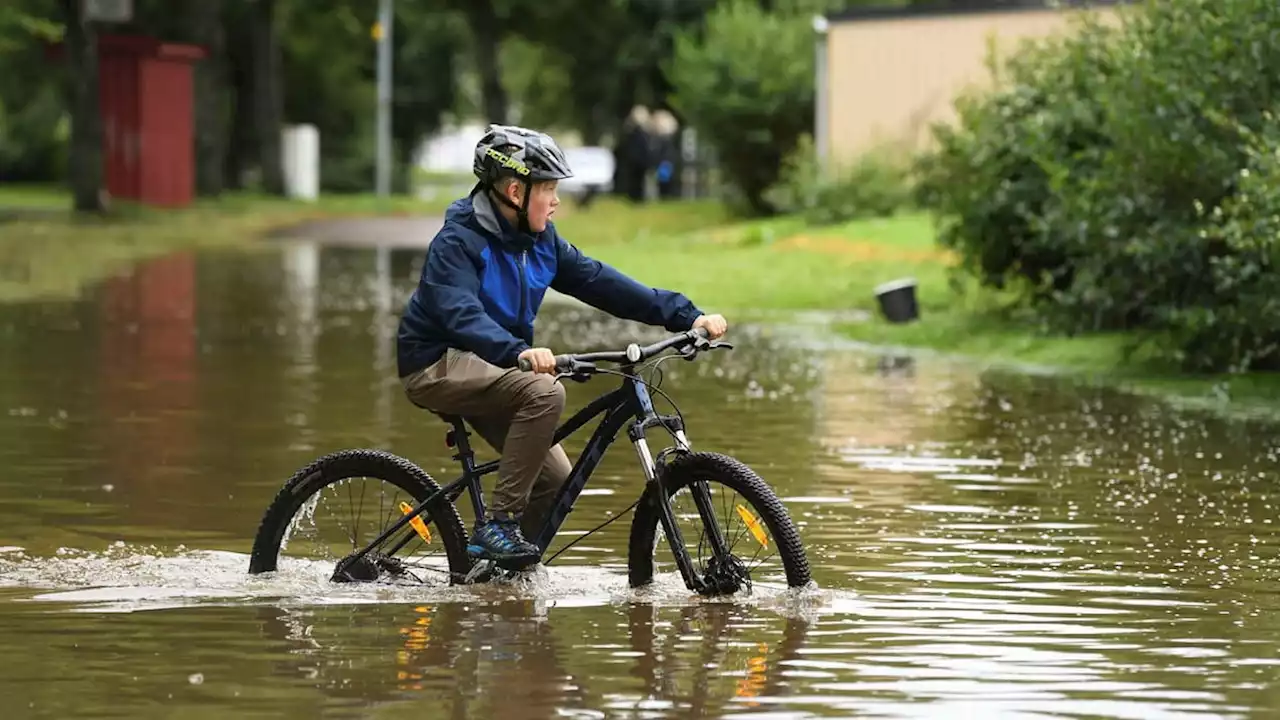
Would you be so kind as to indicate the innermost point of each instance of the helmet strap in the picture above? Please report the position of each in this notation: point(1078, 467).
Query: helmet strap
point(522, 210)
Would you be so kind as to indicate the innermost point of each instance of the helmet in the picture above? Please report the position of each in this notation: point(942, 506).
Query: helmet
point(527, 155)
point(510, 151)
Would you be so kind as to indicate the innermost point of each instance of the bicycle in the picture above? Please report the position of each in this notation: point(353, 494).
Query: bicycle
point(674, 470)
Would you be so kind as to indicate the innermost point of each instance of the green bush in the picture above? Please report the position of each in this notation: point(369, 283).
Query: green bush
point(1241, 328)
point(1112, 176)
point(34, 126)
point(875, 185)
point(745, 84)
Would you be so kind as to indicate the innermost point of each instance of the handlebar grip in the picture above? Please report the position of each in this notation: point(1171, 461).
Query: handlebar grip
point(563, 363)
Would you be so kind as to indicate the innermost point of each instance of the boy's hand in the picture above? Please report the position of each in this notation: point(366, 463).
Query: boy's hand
point(541, 360)
point(715, 325)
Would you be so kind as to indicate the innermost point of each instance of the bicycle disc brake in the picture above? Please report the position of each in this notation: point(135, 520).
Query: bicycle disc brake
point(725, 576)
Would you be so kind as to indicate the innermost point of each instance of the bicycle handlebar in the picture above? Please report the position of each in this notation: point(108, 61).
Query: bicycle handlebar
point(570, 363)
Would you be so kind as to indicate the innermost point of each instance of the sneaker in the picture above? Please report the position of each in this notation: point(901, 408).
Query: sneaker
point(500, 540)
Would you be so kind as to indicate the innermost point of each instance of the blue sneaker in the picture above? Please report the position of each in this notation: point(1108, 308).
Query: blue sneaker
point(500, 540)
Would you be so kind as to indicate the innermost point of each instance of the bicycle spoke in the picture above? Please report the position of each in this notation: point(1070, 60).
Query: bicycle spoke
point(355, 528)
point(348, 532)
point(322, 536)
point(360, 510)
point(735, 529)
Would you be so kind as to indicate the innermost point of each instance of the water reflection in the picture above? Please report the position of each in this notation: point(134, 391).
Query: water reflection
point(990, 543)
point(526, 659)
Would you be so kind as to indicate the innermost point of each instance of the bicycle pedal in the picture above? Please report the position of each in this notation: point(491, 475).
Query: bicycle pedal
point(482, 571)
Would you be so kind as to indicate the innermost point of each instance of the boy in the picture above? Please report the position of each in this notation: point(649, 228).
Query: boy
point(471, 318)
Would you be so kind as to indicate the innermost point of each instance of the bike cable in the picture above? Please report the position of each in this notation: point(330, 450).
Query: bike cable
point(653, 364)
point(593, 530)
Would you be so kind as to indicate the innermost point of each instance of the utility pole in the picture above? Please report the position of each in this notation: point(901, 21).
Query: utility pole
point(383, 34)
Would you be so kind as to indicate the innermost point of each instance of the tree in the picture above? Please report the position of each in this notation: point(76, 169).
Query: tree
point(267, 93)
point(746, 85)
point(428, 45)
point(86, 172)
point(32, 103)
point(207, 29)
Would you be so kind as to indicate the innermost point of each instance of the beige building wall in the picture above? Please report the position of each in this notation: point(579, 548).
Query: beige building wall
point(888, 79)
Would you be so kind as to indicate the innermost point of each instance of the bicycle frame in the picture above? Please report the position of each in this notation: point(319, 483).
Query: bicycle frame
point(630, 400)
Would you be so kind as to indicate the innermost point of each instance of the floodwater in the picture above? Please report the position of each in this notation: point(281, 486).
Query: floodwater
point(984, 543)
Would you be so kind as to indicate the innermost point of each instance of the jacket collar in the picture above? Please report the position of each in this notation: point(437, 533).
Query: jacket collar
point(496, 225)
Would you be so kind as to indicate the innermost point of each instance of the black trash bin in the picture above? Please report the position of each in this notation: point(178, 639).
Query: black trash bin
point(898, 300)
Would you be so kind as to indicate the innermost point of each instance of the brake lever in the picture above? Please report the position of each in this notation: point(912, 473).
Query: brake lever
point(720, 344)
point(576, 377)
point(580, 372)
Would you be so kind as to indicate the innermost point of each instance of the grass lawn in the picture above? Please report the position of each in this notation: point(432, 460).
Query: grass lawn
point(779, 264)
point(748, 267)
point(27, 197)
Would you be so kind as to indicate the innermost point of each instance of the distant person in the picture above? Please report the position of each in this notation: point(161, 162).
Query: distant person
point(472, 314)
point(634, 155)
point(664, 152)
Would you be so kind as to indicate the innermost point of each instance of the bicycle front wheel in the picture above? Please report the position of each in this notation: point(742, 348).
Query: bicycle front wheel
point(338, 504)
point(734, 528)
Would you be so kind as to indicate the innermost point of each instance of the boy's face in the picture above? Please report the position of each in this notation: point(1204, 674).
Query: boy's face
point(542, 203)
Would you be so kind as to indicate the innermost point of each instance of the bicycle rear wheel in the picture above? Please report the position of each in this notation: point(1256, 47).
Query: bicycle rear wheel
point(760, 540)
point(368, 491)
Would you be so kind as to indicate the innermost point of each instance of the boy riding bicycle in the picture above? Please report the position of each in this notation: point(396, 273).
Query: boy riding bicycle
point(470, 321)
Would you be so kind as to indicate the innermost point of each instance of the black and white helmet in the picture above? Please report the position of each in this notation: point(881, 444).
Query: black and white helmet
point(511, 151)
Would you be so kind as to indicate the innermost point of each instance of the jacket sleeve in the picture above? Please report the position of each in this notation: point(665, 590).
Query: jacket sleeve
point(449, 289)
point(607, 289)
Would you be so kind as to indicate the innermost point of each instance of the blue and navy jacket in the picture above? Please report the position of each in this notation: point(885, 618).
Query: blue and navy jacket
point(483, 282)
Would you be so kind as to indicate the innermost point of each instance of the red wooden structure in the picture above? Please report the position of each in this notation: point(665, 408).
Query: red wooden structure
point(147, 104)
point(148, 119)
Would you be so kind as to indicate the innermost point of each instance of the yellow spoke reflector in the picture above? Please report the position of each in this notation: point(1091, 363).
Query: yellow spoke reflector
point(757, 530)
point(417, 523)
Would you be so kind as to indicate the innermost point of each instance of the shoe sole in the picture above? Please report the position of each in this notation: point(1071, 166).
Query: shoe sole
point(506, 562)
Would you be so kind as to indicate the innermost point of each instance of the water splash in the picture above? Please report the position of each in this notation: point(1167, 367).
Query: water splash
point(137, 578)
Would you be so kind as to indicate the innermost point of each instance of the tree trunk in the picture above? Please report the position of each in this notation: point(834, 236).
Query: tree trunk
point(267, 95)
point(488, 37)
point(241, 148)
point(81, 45)
point(624, 170)
point(210, 97)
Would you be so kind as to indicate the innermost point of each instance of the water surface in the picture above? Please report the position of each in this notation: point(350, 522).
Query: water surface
point(984, 543)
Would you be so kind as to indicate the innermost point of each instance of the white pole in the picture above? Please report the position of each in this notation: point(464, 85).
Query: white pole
point(821, 99)
point(385, 15)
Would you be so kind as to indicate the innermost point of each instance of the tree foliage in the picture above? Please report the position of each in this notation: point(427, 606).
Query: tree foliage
point(1119, 183)
point(560, 64)
point(745, 83)
point(33, 128)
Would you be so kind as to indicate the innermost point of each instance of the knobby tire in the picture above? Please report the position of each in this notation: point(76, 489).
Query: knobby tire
point(442, 516)
point(734, 475)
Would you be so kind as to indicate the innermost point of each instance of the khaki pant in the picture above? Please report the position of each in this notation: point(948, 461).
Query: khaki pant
point(514, 411)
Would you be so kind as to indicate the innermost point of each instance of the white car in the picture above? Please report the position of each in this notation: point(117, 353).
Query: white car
point(592, 170)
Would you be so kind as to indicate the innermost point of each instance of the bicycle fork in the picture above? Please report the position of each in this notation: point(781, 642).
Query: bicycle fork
point(666, 515)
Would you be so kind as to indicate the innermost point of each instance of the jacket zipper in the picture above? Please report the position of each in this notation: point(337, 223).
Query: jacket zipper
point(523, 292)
